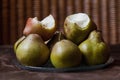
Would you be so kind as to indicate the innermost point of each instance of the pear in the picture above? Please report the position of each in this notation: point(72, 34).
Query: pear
point(78, 26)
point(95, 51)
point(55, 38)
point(17, 43)
point(31, 50)
point(44, 28)
point(65, 54)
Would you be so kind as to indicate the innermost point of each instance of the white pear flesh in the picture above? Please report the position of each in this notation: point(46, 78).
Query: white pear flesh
point(81, 19)
point(78, 26)
point(48, 22)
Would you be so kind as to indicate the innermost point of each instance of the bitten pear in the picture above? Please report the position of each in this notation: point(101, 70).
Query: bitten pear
point(44, 28)
point(78, 26)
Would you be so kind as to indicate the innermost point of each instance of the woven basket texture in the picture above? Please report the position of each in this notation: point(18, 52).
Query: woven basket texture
point(14, 13)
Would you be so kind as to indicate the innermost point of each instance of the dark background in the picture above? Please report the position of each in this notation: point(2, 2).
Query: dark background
point(14, 13)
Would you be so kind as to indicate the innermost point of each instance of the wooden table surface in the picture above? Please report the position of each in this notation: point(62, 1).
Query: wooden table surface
point(8, 71)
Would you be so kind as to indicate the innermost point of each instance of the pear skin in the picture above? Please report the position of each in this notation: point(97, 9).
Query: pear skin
point(77, 28)
point(32, 51)
point(44, 28)
point(65, 54)
point(95, 51)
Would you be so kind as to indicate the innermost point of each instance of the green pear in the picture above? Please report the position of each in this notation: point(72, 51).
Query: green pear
point(95, 51)
point(78, 26)
point(17, 43)
point(65, 54)
point(31, 50)
point(55, 38)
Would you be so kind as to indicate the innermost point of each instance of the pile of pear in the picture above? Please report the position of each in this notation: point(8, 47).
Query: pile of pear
point(79, 43)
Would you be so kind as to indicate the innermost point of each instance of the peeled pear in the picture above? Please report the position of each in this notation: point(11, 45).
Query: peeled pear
point(55, 38)
point(94, 50)
point(44, 28)
point(65, 54)
point(78, 26)
point(31, 50)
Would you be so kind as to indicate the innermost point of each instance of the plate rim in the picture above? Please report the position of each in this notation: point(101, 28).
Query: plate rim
point(73, 69)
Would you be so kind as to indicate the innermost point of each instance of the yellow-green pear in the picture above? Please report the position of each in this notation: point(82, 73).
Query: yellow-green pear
point(65, 54)
point(94, 50)
point(31, 50)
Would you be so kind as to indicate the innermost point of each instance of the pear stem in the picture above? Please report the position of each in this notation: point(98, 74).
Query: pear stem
point(59, 36)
